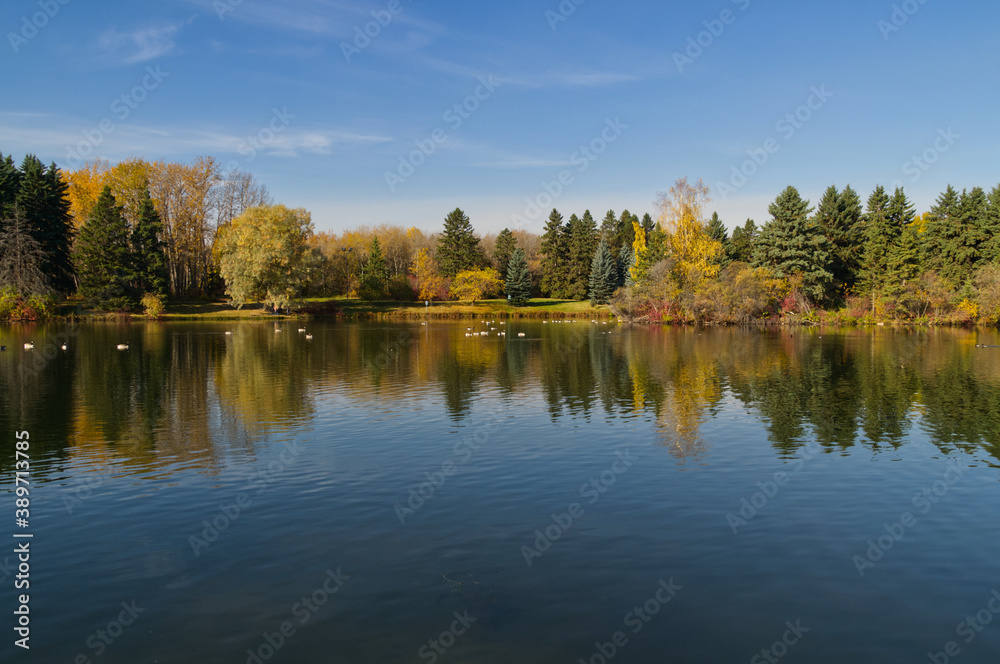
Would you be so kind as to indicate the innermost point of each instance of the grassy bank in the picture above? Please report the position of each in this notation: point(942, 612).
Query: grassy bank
point(354, 309)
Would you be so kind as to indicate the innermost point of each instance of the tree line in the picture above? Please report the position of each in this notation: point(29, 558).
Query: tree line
point(113, 234)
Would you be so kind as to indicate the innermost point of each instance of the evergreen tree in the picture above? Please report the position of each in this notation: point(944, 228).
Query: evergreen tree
point(626, 228)
point(603, 275)
point(582, 242)
point(964, 257)
point(991, 247)
point(10, 183)
point(148, 250)
point(609, 230)
point(458, 247)
point(791, 244)
point(105, 257)
point(518, 282)
point(716, 230)
point(553, 249)
point(904, 259)
point(21, 257)
point(374, 274)
point(880, 238)
point(839, 217)
point(940, 237)
point(741, 245)
point(626, 259)
point(647, 223)
point(504, 249)
point(42, 198)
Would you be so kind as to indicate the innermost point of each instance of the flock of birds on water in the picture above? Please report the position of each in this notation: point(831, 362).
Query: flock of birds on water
point(470, 332)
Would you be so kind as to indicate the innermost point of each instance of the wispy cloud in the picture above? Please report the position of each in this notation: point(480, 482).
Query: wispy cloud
point(19, 135)
point(142, 45)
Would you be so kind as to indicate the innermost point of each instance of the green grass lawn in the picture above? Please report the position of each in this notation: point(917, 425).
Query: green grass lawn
point(360, 309)
point(535, 308)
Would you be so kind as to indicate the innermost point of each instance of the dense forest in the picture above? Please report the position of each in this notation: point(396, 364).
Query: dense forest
point(135, 234)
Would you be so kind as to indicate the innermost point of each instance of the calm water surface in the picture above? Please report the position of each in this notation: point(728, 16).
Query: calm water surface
point(407, 493)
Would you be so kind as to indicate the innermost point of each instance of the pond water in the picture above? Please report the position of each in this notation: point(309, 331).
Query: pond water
point(595, 492)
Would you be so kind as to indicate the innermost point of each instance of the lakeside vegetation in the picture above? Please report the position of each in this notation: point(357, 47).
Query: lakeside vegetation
point(148, 238)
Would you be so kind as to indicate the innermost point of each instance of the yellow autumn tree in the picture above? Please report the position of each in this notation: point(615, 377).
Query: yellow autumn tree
point(475, 284)
point(693, 251)
point(429, 279)
point(84, 188)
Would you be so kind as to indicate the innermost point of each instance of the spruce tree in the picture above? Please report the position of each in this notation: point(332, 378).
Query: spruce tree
point(582, 242)
point(717, 231)
point(374, 274)
point(838, 216)
point(626, 228)
point(991, 247)
point(626, 258)
point(603, 275)
point(553, 251)
point(647, 223)
point(609, 230)
point(458, 247)
point(940, 236)
point(43, 200)
point(148, 250)
point(104, 257)
point(741, 245)
point(21, 257)
point(880, 238)
point(965, 256)
point(518, 282)
point(791, 244)
point(10, 183)
point(504, 249)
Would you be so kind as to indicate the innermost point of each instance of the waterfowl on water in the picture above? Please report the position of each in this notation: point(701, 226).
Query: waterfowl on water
point(229, 332)
point(302, 329)
point(29, 345)
point(63, 346)
point(2, 348)
point(309, 336)
point(122, 346)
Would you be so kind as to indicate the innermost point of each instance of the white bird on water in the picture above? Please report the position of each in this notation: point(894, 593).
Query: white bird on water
point(29, 345)
point(63, 346)
point(122, 346)
point(309, 336)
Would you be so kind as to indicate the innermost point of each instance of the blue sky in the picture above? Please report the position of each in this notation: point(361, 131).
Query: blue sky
point(591, 94)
